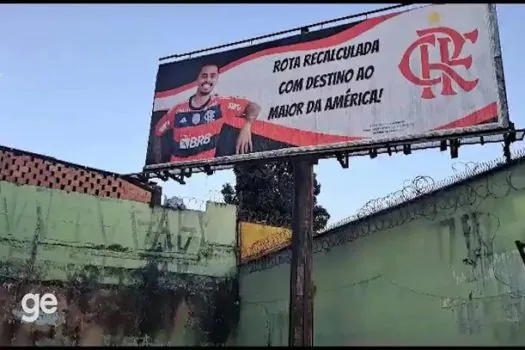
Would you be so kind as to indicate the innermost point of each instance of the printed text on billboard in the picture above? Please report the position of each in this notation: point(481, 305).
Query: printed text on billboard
point(426, 72)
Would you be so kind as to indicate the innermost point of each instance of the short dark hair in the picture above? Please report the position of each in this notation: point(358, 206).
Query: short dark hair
point(206, 64)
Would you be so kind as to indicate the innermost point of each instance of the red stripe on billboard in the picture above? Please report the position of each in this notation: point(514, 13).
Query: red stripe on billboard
point(196, 131)
point(333, 40)
point(478, 117)
point(201, 156)
point(289, 135)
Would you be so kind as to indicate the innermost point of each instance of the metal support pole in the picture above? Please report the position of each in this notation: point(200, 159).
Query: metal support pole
point(301, 291)
point(156, 196)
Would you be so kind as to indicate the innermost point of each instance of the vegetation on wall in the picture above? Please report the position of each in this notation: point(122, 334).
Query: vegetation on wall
point(141, 310)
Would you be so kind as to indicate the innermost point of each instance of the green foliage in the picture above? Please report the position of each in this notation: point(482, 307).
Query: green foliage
point(264, 193)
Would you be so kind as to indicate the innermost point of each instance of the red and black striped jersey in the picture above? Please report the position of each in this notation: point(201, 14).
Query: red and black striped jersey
point(196, 130)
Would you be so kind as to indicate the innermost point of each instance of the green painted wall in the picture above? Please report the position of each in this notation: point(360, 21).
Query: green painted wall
point(52, 233)
point(443, 270)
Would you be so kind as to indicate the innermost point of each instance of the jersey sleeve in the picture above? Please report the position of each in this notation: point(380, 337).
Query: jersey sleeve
point(235, 105)
point(165, 122)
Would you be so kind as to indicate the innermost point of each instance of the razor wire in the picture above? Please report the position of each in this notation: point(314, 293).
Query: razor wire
point(412, 202)
point(471, 184)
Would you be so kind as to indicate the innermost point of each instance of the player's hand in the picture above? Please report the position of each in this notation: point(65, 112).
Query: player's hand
point(244, 141)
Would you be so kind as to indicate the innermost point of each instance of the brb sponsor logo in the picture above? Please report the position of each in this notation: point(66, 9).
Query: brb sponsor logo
point(194, 142)
point(450, 44)
point(32, 304)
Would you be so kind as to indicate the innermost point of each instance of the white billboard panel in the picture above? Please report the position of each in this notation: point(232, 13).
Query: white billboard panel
point(416, 74)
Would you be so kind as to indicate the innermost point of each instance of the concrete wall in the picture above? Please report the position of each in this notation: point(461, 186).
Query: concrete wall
point(122, 271)
point(442, 270)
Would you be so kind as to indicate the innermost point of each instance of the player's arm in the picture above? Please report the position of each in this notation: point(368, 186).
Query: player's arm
point(163, 125)
point(252, 110)
point(249, 111)
point(241, 107)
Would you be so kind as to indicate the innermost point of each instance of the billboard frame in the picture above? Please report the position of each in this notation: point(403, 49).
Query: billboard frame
point(302, 30)
point(414, 141)
point(179, 172)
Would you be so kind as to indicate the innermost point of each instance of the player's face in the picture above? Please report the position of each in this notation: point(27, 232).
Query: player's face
point(207, 78)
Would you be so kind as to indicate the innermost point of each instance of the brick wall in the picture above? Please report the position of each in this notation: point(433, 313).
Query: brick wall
point(25, 168)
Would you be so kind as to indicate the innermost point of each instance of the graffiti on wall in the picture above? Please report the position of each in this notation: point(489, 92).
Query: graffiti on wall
point(49, 224)
point(495, 279)
point(155, 276)
point(473, 219)
point(421, 198)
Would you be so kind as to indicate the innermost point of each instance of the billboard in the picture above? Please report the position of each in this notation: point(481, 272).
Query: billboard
point(419, 74)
